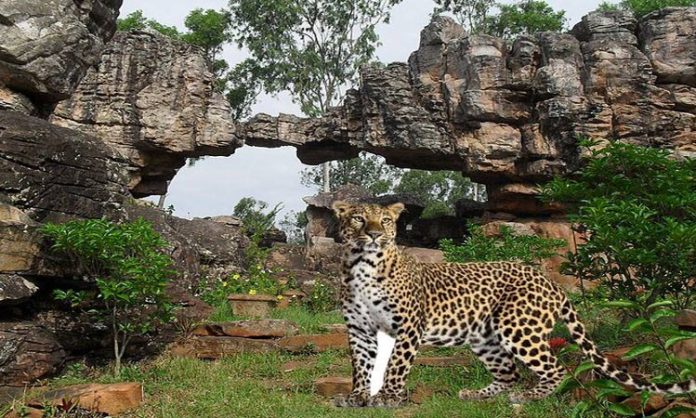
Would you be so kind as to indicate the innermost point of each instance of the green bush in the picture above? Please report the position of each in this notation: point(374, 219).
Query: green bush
point(639, 208)
point(641, 8)
point(130, 269)
point(528, 249)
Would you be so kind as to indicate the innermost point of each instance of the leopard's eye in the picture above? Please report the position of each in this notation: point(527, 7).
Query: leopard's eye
point(357, 219)
point(386, 221)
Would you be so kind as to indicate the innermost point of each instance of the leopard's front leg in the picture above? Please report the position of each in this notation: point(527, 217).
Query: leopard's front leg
point(363, 352)
point(393, 393)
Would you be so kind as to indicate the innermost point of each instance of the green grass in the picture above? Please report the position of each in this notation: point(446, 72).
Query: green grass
point(309, 322)
point(255, 385)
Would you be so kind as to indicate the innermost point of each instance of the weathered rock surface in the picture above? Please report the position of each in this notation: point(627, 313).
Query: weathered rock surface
point(48, 45)
point(27, 352)
point(199, 247)
point(213, 348)
point(53, 173)
point(262, 328)
point(153, 100)
point(15, 289)
point(111, 399)
point(512, 113)
point(314, 343)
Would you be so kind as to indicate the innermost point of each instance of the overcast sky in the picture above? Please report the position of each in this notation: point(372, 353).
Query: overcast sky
point(215, 184)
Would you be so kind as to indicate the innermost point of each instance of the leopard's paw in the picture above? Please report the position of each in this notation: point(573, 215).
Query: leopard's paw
point(387, 400)
point(352, 400)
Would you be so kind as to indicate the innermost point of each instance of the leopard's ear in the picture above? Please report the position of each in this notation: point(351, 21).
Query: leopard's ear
point(396, 209)
point(340, 208)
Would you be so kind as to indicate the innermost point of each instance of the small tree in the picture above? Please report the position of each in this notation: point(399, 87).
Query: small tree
point(524, 18)
point(254, 217)
point(641, 8)
point(639, 207)
point(209, 30)
point(130, 269)
point(367, 170)
point(472, 14)
point(137, 21)
point(293, 224)
point(438, 191)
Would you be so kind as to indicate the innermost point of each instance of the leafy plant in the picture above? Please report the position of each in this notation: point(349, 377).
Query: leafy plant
point(639, 208)
point(641, 8)
point(322, 298)
point(524, 18)
point(130, 268)
point(507, 246)
point(649, 322)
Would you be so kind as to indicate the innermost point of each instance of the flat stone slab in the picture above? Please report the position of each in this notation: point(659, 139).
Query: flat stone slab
point(314, 342)
point(333, 385)
point(263, 328)
point(686, 319)
point(111, 399)
point(213, 348)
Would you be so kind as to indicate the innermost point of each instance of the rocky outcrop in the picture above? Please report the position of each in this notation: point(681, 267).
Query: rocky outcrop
point(48, 45)
point(509, 115)
point(512, 112)
point(153, 100)
point(55, 173)
point(27, 352)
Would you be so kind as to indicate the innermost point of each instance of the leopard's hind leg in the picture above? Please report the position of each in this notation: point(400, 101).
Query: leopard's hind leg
point(499, 362)
point(526, 337)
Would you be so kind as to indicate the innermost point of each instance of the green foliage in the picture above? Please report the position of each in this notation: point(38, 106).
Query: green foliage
point(641, 8)
point(311, 48)
point(137, 21)
point(322, 298)
point(255, 218)
point(659, 336)
point(472, 14)
point(521, 18)
point(524, 18)
point(436, 190)
point(209, 30)
point(367, 170)
point(639, 207)
point(608, 7)
point(528, 249)
point(131, 270)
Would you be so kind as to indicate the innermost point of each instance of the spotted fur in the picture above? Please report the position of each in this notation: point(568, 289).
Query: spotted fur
point(504, 311)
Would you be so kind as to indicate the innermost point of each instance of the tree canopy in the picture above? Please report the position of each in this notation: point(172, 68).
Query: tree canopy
point(504, 20)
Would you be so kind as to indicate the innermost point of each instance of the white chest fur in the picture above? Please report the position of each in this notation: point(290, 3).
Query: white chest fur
point(368, 294)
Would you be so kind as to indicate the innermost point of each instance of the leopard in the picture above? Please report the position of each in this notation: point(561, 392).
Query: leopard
point(503, 311)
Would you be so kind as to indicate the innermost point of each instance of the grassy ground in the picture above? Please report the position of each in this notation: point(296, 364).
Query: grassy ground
point(256, 385)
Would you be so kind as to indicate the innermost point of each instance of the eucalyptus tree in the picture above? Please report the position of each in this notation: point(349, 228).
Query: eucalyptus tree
point(311, 48)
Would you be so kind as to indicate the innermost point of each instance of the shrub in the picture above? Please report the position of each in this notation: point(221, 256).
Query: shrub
point(641, 8)
point(130, 269)
point(639, 208)
point(528, 249)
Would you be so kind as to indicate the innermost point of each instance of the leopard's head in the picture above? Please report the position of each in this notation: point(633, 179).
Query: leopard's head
point(365, 226)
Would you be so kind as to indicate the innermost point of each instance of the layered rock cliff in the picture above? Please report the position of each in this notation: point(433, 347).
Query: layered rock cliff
point(44, 54)
point(153, 100)
point(512, 112)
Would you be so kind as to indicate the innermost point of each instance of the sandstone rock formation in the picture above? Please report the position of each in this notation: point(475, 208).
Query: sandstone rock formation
point(48, 45)
point(152, 99)
point(511, 113)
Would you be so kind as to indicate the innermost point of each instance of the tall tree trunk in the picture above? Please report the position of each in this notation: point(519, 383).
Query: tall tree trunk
point(160, 202)
point(326, 183)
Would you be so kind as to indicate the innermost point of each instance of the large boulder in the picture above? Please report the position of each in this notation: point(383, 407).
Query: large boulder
point(47, 45)
point(27, 352)
point(53, 173)
point(152, 99)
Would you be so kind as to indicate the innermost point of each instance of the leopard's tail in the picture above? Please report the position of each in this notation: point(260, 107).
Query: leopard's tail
point(602, 364)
